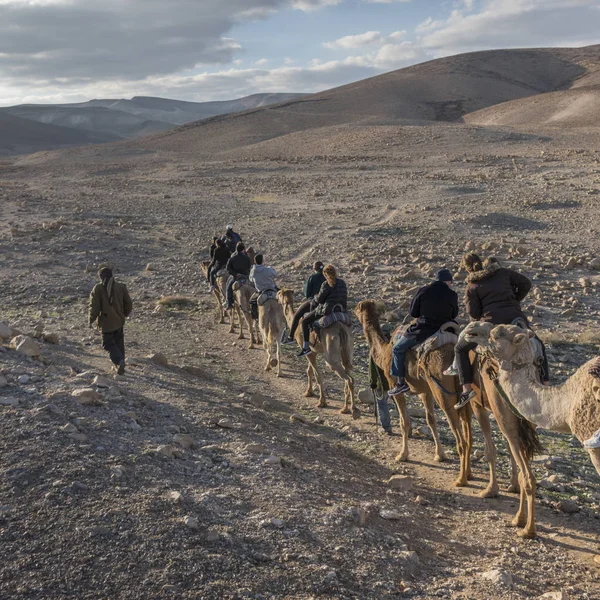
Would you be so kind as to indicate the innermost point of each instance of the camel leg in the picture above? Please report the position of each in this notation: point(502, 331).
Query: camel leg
point(400, 401)
point(525, 516)
point(466, 416)
point(220, 307)
point(595, 458)
point(312, 358)
point(250, 324)
point(457, 425)
point(268, 350)
point(491, 491)
point(232, 320)
point(339, 370)
point(427, 400)
point(309, 393)
point(515, 481)
point(278, 350)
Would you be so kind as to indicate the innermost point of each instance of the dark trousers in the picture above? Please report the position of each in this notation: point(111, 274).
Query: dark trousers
point(401, 347)
point(229, 291)
point(114, 343)
point(300, 312)
point(307, 320)
point(463, 362)
point(212, 274)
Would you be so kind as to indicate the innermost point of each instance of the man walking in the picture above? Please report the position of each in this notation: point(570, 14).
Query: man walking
point(110, 305)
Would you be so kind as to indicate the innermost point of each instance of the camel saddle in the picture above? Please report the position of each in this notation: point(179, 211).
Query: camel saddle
point(265, 296)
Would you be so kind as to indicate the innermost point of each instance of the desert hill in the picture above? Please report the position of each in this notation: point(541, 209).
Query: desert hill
point(118, 119)
point(18, 135)
point(443, 90)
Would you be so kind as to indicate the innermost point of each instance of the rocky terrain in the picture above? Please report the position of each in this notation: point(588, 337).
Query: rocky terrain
point(197, 475)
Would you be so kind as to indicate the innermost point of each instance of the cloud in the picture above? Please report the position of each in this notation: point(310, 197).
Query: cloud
point(262, 62)
point(385, 1)
point(90, 40)
point(355, 41)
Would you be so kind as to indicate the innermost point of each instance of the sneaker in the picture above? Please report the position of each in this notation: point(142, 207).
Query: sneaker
point(400, 388)
point(304, 352)
point(593, 442)
point(211, 288)
point(121, 369)
point(464, 399)
point(451, 371)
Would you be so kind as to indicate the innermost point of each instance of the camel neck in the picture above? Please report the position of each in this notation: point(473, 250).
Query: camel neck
point(545, 406)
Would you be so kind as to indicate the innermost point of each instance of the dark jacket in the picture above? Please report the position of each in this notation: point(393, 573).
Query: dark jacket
point(220, 257)
point(329, 297)
point(313, 284)
point(232, 242)
point(110, 316)
point(432, 306)
point(495, 294)
point(239, 264)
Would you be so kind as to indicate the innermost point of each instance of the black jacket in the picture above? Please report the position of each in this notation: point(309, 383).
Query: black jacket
point(239, 264)
point(495, 294)
point(313, 284)
point(220, 258)
point(432, 306)
point(330, 298)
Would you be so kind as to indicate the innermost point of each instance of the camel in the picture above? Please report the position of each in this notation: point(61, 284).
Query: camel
point(218, 292)
point(337, 347)
point(271, 322)
point(242, 292)
point(432, 385)
point(520, 434)
point(572, 407)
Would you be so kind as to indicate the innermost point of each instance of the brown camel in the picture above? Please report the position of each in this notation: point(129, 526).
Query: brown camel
point(242, 292)
point(337, 347)
point(520, 434)
point(571, 407)
point(271, 323)
point(426, 379)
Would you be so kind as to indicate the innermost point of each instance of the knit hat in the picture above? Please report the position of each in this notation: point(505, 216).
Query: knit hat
point(443, 275)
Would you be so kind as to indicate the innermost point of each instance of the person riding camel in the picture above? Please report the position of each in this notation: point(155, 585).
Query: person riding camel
point(333, 296)
point(219, 261)
point(238, 267)
point(213, 246)
point(263, 279)
point(432, 306)
point(231, 239)
point(311, 289)
point(493, 294)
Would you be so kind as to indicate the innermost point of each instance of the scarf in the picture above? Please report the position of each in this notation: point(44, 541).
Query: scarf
point(108, 281)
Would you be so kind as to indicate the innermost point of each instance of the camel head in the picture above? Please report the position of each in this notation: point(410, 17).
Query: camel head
point(511, 343)
point(366, 311)
point(285, 297)
point(478, 332)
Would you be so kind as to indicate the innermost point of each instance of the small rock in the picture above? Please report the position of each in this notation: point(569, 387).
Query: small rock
point(26, 345)
point(101, 382)
point(23, 379)
point(5, 331)
point(78, 437)
point(400, 482)
point(78, 486)
point(273, 460)
point(595, 264)
point(365, 396)
point(51, 338)
point(9, 401)
point(225, 423)
point(191, 522)
point(176, 497)
point(498, 577)
point(3, 381)
point(560, 595)
point(87, 396)
point(184, 440)
point(410, 559)
point(166, 450)
point(390, 515)
point(298, 418)
point(212, 535)
point(255, 448)
point(568, 506)
point(159, 359)
point(70, 428)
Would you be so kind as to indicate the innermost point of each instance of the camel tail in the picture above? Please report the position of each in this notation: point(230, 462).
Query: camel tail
point(529, 439)
point(346, 349)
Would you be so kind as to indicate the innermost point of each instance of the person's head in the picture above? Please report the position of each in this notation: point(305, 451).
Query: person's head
point(220, 243)
point(330, 274)
point(240, 247)
point(318, 266)
point(444, 276)
point(471, 262)
point(229, 233)
point(229, 229)
point(215, 239)
point(258, 259)
point(489, 261)
point(105, 272)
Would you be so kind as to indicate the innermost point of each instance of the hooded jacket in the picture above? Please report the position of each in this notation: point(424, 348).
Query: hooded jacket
point(432, 306)
point(263, 278)
point(110, 313)
point(494, 294)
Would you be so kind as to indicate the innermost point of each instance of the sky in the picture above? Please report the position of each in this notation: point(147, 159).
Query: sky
point(58, 51)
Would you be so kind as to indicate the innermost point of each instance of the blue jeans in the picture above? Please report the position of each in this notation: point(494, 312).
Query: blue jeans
point(229, 291)
point(401, 347)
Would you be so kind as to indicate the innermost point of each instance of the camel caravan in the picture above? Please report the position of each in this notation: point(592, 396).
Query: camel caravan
point(495, 365)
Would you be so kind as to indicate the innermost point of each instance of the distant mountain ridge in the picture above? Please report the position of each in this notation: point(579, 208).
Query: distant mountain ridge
point(107, 120)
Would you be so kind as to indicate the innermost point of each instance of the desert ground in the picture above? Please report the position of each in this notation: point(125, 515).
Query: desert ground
point(198, 475)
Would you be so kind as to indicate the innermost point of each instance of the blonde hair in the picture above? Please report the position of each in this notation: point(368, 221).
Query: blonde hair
point(330, 274)
point(471, 262)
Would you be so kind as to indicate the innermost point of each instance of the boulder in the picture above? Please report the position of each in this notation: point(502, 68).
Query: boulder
point(51, 337)
point(26, 345)
point(86, 396)
point(5, 331)
point(159, 359)
point(499, 577)
point(401, 483)
point(568, 506)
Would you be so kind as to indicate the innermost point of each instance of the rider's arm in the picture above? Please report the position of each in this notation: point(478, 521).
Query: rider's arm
point(323, 293)
point(520, 284)
point(415, 305)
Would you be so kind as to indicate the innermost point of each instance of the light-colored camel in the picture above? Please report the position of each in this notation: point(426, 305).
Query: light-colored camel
point(337, 347)
point(520, 434)
point(572, 407)
point(433, 384)
point(242, 292)
point(271, 322)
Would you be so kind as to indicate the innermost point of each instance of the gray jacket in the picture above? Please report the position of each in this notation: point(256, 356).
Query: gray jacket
point(263, 278)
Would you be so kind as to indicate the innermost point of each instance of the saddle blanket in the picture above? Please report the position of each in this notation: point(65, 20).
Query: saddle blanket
point(266, 295)
point(334, 317)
